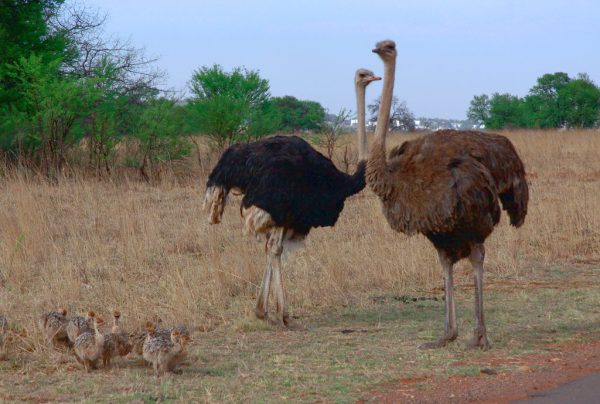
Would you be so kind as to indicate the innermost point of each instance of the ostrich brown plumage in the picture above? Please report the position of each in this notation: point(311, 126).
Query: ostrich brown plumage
point(289, 188)
point(446, 186)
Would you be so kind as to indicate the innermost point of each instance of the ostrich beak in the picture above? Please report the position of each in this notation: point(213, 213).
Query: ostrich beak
point(374, 78)
point(376, 50)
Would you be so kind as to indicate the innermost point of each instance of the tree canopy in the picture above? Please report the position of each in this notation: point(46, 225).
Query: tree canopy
point(230, 106)
point(296, 115)
point(555, 101)
point(24, 30)
point(64, 86)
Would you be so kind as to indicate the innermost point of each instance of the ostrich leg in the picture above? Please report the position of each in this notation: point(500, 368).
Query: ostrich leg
point(282, 309)
point(479, 334)
point(276, 248)
point(450, 327)
point(263, 297)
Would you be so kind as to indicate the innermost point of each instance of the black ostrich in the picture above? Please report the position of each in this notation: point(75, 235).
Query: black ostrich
point(288, 189)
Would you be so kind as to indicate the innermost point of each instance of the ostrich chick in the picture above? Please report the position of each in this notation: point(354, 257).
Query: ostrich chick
point(116, 342)
point(183, 340)
point(136, 340)
point(77, 325)
point(89, 346)
point(166, 332)
point(161, 352)
point(53, 325)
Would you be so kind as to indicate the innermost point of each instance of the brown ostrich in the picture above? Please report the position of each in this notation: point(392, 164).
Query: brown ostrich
point(289, 188)
point(446, 186)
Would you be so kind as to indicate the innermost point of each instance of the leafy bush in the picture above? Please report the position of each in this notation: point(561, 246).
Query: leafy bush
point(160, 136)
point(230, 106)
point(295, 115)
point(47, 119)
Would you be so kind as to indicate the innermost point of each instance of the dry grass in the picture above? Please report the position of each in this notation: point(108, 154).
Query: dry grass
point(149, 250)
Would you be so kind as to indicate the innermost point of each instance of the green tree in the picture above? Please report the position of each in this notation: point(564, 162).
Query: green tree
point(105, 123)
point(479, 109)
point(296, 115)
point(229, 106)
point(506, 111)
point(264, 120)
point(555, 101)
point(62, 81)
point(542, 103)
point(160, 137)
point(112, 114)
point(580, 101)
point(47, 120)
point(549, 85)
point(24, 31)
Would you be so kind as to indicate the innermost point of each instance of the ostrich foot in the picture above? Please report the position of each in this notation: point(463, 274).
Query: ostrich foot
point(260, 313)
point(275, 322)
point(288, 324)
point(279, 322)
point(479, 340)
point(294, 325)
point(440, 343)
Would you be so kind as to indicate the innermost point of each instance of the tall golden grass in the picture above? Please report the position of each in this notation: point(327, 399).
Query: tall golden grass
point(149, 250)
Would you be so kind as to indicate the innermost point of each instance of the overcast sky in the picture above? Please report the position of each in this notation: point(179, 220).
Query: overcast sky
point(448, 50)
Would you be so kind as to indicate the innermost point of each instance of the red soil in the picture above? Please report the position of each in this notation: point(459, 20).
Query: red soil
point(563, 363)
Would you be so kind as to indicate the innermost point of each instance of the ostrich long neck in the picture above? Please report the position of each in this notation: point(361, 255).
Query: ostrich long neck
point(361, 128)
point(98, 335)
point(377, 175)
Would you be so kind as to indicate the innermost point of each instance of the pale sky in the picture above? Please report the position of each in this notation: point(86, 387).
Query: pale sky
point(448, 50)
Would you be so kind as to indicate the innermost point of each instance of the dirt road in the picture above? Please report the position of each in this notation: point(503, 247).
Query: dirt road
point(574, 369)
point(585, 390)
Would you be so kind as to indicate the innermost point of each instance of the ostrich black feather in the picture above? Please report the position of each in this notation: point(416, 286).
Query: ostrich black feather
point(286, 177)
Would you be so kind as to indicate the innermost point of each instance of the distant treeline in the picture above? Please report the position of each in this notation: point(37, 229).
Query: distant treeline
point(555, 101)
point(65, 87)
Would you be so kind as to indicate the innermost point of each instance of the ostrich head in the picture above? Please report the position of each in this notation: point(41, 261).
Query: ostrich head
point(386, 50)
point(150, 328)
point(98, 322)
point(364, 77)
point(214, 202)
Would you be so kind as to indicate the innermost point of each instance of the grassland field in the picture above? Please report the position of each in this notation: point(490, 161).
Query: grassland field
point(147, 249)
